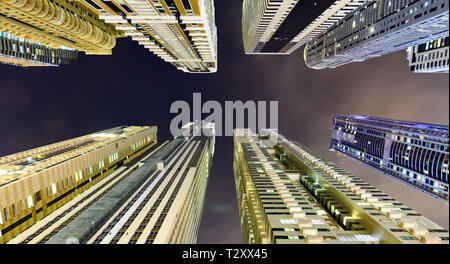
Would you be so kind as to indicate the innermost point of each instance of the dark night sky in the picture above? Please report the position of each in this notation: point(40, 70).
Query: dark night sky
point(133, 87)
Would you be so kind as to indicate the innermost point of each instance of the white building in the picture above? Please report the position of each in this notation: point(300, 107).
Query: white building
point(283, 26)
point(378, 28)
point(182, 33)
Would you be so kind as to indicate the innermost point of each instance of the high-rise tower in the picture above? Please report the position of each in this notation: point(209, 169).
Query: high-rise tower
point(36, 182)
point(289, 195)
point(377, 28)
point(414, 153)
point(156, 199)
point(56, 24)
point(181, 32)
point(282, 26)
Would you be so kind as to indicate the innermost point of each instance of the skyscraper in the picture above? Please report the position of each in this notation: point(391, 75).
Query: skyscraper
point(156, 199)
point(289, 195)
point(36, 182)
point(414, 153)
point(378, 28)
point(181, 32)
point(282, 26)
point(56, 24)
point(430, 57)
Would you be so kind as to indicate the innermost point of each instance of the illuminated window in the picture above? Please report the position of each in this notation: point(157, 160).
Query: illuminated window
point(53, 188)
point(295, 209)
point(30, 201)
point(288, 221)
point(317, 222)
point(408, 238)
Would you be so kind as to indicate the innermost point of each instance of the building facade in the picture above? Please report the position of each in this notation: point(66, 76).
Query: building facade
point(181, 32)
point(377, 28)
point(20, 52)
point(56, 24)
point(414, 153)
point(281, 27)
point(430, 57)
point(158, 199)
point(289, 195)
point(35, 183)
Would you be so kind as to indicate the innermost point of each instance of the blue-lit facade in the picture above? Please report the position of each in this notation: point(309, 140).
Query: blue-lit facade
point(414, 153)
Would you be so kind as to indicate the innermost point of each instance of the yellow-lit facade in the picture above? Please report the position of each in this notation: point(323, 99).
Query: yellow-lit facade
point(181, 32)
point(157, 198)
point(56, 24)
point(35, 183)
point(289, 195)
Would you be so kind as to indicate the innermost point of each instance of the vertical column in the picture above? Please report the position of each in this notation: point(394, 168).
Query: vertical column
point(387, 146)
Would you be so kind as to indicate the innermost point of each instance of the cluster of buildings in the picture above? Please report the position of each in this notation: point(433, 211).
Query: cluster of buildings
point(52, 32)
point(116, 186)
point(287, 194)
point(124, 186)
point(338, 32)
point(183, 32)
